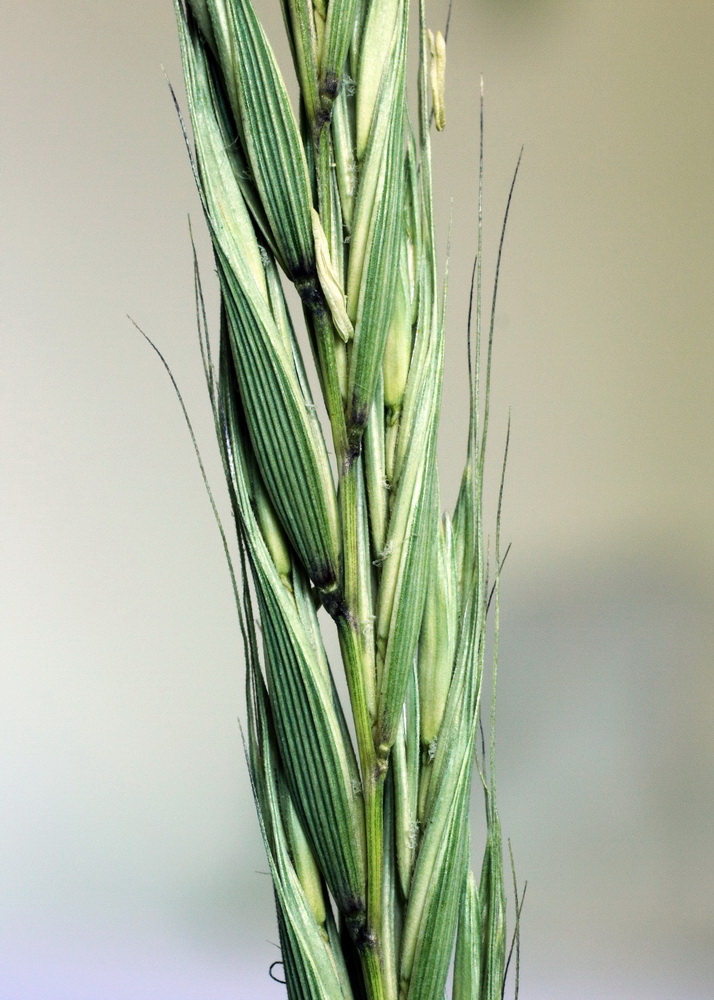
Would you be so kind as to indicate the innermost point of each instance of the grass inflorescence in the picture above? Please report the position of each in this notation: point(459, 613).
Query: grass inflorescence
point(364, 806)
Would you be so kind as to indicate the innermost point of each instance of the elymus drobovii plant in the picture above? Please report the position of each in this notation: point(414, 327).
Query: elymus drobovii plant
point(364, 807)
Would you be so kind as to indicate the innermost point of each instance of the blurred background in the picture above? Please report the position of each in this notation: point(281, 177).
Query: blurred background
point(131, 862)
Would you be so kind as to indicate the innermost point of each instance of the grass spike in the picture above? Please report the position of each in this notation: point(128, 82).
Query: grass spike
point(364, 799)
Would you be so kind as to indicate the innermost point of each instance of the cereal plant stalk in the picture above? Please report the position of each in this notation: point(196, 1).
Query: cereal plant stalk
point(366, 825)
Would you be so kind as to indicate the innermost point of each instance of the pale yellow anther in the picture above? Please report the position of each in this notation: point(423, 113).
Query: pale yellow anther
point(437, 75)
point(331, 286)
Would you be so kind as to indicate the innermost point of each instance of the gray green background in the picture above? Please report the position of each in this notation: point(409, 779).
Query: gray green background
point(130, 859)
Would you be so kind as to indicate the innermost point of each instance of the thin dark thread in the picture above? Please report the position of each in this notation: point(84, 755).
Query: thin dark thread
point(493, 586)
point(492, 322)
point(468, 334)
point(272, 974)
point(448, 20)
point(202, 468)
point(516, 938)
